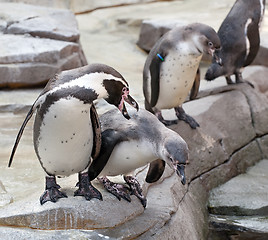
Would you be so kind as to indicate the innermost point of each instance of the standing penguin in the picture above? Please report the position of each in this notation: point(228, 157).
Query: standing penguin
point(128, 145)
point(66, 128)
point(240, 40)
point(171, 68)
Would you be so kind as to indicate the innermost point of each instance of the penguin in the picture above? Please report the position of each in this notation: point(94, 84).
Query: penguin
point(128, 145)
point(240, 40)
point(172, 66)
point(66, 132)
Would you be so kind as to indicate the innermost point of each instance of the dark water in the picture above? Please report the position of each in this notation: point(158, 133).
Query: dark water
point(236, 235)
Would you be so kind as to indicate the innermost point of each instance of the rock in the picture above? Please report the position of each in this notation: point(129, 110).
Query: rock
point(38, 43)
point(5, 198)
point(173, 211)
point(234, 227)
point(243, 195)
point(79, 6)
point(241, 205)
point(152, 30)
point(69, 213)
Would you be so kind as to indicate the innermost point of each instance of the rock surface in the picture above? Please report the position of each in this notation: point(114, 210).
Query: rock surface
point(241, 204)
point(37, 43)
point(79, 6)
point(232, 137)
point(219, 150)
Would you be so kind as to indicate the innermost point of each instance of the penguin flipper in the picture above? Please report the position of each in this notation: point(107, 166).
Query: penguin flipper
point(254, 42)
point(155, 171)
point(26, 120)
point(195, 87)
point(109, 139)
point(96, 132)
point(155, 80)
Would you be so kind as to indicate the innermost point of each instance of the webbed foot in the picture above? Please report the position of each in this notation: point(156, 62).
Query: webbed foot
point(238, 80)
point(136, 189)
point(52, 192)
point(117, 189)
point(86, 189)
point(165, 122)
point(181, 115)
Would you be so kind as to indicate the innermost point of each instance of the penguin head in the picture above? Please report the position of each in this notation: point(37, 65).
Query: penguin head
point(215, 70)
point(118, 93)
point(207, 40)
point(176, 155)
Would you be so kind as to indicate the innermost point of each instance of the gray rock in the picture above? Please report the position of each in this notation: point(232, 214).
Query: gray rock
point(79, 6)
point(152, 30)
point(38, 42)
point(39, 21)
point(243, 195)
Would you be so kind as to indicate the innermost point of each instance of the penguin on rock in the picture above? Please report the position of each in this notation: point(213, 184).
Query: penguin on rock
point(130, 144)
point(66, 129)
point(171, 67)
point(240, 40)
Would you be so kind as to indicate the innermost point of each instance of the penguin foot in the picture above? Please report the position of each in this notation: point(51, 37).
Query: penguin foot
point(86, 189)
point(165, 122)
point(244, 81)
point(118, 190)
point(136, 190)
point(52, 192)
point(181, 115)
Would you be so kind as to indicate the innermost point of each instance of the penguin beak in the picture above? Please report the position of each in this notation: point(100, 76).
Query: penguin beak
point(217, 59)
point(122, 108)
point(179, 168)
point(214, 54)
point(180, 171)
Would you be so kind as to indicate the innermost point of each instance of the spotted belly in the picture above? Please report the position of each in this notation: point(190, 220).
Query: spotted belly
point(128, 156)
point(64, 138)
point(177, 75)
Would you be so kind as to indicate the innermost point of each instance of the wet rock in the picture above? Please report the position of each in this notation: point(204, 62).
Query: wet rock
point(243, 195)
point(37, 43)
point(241, 205)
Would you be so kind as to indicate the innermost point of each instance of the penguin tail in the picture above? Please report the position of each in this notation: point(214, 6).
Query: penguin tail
point(26, 120)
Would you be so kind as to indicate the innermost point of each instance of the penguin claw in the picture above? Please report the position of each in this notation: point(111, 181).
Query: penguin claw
point(136, 189)
point(86, 189)
point(118, 190)
point(52, 195)
point(169, 122)
point(165, 122)
point(52, 192)
point(181, 115)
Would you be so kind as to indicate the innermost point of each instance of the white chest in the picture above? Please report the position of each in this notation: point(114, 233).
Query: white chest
point(177, 75)
point(128, 156)
point(66, 137)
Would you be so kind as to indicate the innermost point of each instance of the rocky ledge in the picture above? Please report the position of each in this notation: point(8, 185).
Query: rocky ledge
point(233, 136)
point(240, 206)
point(36, 43)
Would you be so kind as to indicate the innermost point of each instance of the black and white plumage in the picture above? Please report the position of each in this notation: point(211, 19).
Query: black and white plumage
point(130, 144)
point(66, 127)
point(171, 67)
point(240, 40)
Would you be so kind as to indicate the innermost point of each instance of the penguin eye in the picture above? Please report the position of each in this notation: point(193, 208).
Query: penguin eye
point(125, 90)
point(210, 44)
